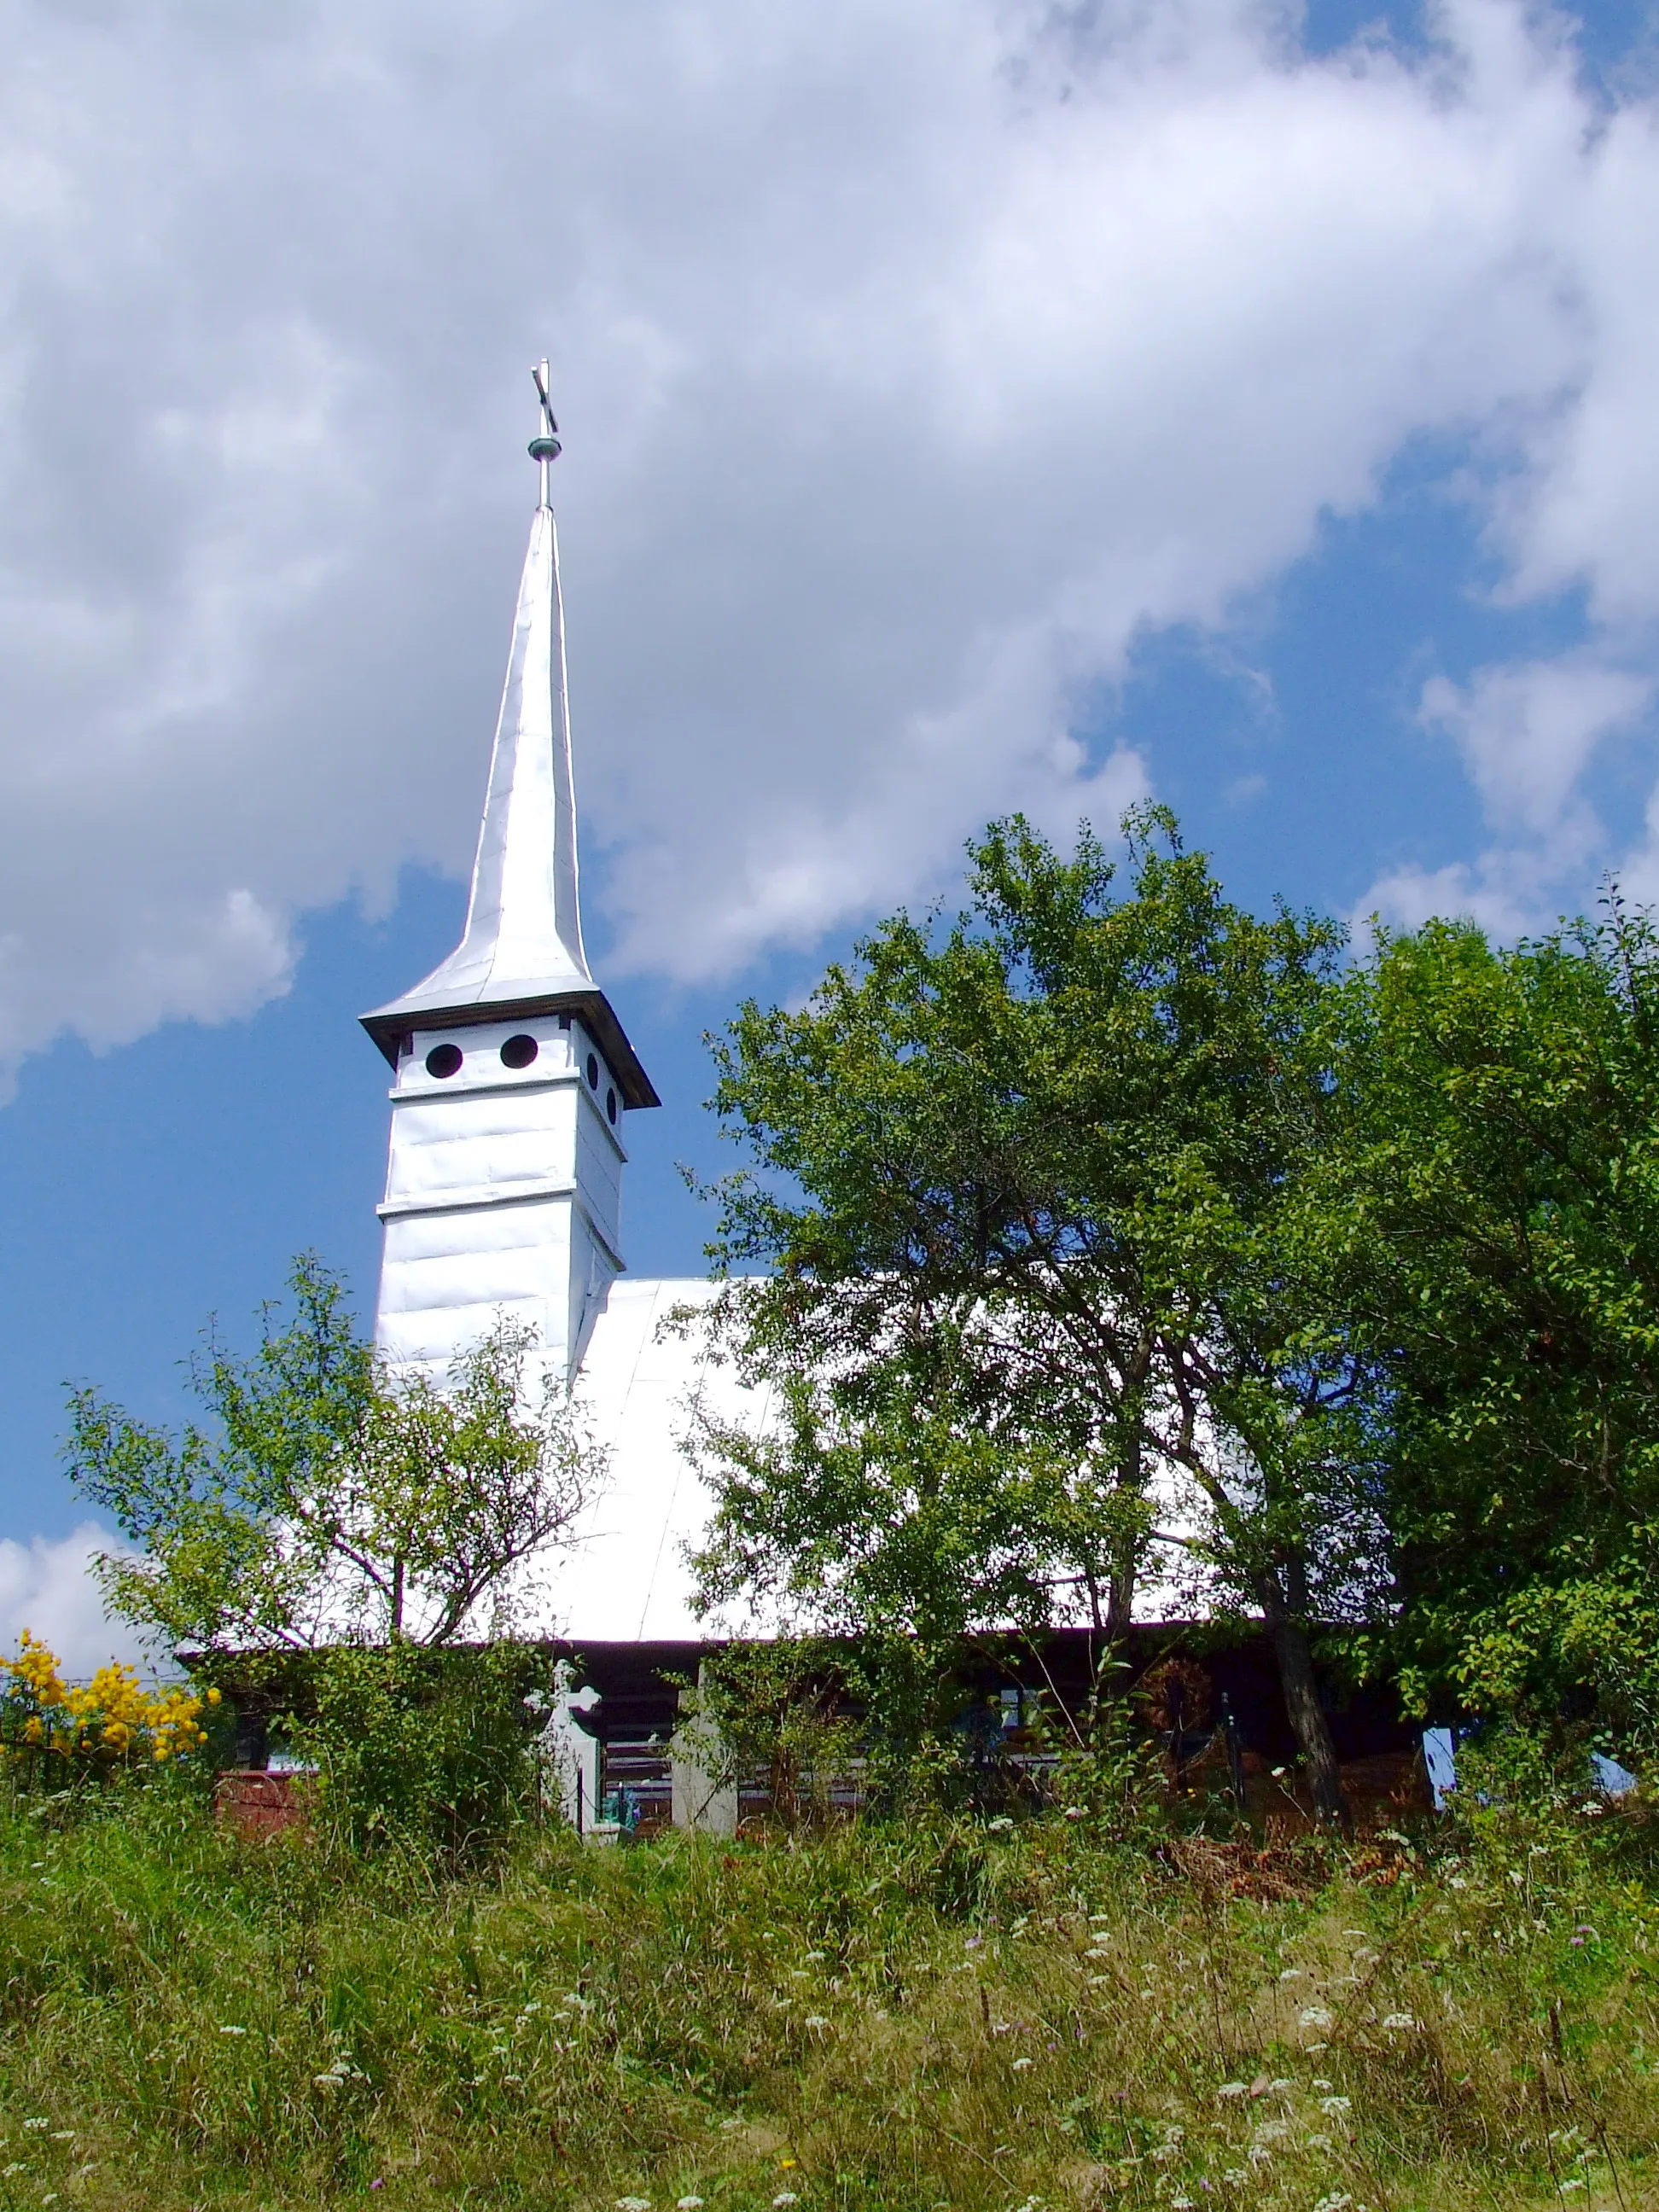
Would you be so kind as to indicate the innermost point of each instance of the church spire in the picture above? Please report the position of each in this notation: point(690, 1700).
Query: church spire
point(522, 945)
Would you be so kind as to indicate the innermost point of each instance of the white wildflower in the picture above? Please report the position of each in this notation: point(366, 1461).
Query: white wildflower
point(1334, 2105)
point(786, 2197)
point(1020, 2064)
point(1334, 2202)
point(1234, 2089)
point(1235, 2176)
point(1278, 2086)
point(232, 2031)
point(687, 2204)
point(35, 2127)
point(1076, 1813)
point(1291, 1974)
point(816, 2019)
point(1323, 2085)
point(1399, 2019)
point(1316, 2016)
point(633, 2204)
point(1317, 2142)
point(1000, 1825)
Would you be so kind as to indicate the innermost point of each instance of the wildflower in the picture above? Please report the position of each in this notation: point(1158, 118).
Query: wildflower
point(35, 2127)
point(1235, 2176)
point(1334, 2202)
point(816, 2019)
point(1399, 2019)
point(1180, 2204)
point(1234, 2089)
point(687, 2204)
point(1276, 2089)
point(786, 2197)
point(1076, 1813)
point(1291, 1974)
point(1315, 2016)
point(1000, 1825)
point(1020, 2064)
point(1318, 2142)
point(232, 2031)
point(1334, 2105)
point(1323, 2085)
point(63, 2135)
point(633, 2204)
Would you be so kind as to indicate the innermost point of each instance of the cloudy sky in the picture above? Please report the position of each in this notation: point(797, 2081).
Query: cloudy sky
point(969, 404)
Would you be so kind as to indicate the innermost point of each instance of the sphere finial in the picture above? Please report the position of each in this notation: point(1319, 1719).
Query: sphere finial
point(544, 446)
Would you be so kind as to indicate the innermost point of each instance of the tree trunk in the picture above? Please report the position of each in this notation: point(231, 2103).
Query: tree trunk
point(1119, 1602)
point(1120, 1589)
point(1289, 1631)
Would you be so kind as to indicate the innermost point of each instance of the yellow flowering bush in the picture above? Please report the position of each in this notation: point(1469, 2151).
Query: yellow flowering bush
point(110, 1721)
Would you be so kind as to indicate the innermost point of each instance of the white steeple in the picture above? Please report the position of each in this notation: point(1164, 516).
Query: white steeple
point(503, 1182)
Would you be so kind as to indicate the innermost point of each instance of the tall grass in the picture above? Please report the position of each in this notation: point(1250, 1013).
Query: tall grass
point(939, 2015)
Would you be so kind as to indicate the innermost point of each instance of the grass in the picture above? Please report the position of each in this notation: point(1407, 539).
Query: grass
point(934, 2015)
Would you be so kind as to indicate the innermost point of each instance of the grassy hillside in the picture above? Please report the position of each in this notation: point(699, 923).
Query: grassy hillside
point(943, 2015)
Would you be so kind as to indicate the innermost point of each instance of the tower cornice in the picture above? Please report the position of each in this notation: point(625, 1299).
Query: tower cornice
point(390, 1025)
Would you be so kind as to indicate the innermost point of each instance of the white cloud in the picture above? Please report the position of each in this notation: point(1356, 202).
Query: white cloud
point(917, 358)
point(46, 1588)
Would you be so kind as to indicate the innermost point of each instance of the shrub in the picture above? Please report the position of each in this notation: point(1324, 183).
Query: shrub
point(428, 1750)
point(53, 1732)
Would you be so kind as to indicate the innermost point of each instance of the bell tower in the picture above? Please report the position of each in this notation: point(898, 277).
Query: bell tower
point(512, 1074)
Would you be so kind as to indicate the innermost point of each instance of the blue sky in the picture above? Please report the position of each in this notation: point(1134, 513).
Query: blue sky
point(1252, 410)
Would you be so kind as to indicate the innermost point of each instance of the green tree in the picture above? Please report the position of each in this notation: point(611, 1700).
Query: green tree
point(1027, 1183)
point(327, 1500)
point(1494, 1204)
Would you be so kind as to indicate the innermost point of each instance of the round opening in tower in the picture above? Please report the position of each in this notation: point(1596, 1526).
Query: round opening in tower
point(444, 1060)
point(593, 1072)
point(519, 1051)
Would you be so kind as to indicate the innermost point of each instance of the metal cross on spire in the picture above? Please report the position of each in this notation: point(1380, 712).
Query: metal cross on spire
point(544, 446)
